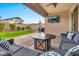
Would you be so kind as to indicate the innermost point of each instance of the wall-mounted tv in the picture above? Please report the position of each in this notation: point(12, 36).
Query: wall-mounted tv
point(53, 19)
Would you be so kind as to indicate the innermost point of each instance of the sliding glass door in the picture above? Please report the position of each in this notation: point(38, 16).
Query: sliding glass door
point(75, 19)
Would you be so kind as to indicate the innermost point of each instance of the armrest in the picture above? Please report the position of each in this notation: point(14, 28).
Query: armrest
point(67, 45)
point(64, 34)
point(11, 41)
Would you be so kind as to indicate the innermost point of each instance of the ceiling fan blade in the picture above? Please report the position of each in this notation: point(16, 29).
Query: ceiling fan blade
point(55, 4)
point(49, 4)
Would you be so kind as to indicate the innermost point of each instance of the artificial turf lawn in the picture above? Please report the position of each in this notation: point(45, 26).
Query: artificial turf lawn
point(15, 33)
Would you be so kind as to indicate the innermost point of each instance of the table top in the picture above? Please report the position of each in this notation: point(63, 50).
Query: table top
point(43, 36)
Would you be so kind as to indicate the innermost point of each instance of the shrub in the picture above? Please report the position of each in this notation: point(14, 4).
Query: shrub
point(23, 28)
point(1, 27)
point(12, 27)
point(28, 27)
point(18, 28)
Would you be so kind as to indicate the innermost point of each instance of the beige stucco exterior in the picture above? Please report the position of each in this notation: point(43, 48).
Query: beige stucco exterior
point(59, 27)
point(64, 25)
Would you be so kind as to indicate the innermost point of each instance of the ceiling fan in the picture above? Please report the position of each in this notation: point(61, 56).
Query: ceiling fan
point(53, 4)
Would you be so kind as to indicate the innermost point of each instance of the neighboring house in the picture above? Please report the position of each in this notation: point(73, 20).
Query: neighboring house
point(14, 20)
point(19, 24)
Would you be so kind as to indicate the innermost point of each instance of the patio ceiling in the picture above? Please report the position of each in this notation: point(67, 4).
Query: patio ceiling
point(45, 10)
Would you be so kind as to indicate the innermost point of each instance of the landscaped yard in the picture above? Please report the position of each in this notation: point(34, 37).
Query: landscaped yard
point(15, 33)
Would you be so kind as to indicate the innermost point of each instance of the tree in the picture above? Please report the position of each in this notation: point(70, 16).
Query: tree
point(1, 27)
point(28, 27)
point(12, 27)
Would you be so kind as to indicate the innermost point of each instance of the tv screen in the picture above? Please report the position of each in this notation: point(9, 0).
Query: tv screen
point(53, 19)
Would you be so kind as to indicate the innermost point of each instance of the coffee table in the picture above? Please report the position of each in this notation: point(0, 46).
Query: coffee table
point(43, 42)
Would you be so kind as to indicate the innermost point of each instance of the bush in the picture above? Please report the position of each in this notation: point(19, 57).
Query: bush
point(18, 28)
point(1, 27)
point(12, 27)
point(23, 28)
point(28, 27)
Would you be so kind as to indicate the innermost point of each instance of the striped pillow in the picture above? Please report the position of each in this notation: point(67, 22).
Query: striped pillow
point(73, 51)
point(5, 44)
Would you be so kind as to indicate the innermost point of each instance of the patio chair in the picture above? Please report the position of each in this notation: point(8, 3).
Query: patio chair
point(66, 43)
point(65, 39)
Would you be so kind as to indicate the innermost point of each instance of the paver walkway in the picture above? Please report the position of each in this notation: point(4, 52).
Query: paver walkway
point(24, 40)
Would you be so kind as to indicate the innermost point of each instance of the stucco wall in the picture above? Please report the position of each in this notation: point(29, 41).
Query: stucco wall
point(78, 17)
point(59, 27)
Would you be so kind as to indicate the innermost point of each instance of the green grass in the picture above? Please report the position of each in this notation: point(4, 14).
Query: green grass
point(15, 33)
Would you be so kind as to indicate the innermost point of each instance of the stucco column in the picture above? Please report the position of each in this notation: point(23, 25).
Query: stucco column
point(45, 24)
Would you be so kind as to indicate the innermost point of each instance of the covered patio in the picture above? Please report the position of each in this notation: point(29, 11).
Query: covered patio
point(68, 14)
point(65, 30)
point(63, 10)
point(68, 22)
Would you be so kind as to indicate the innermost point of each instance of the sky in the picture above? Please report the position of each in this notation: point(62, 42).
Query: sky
point(8, 10)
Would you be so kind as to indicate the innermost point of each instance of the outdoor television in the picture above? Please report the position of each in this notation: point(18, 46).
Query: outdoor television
point(53, 19)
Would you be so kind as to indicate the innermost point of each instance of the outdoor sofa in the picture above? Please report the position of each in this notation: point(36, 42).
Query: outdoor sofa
point(17, 50)
point(74, 51)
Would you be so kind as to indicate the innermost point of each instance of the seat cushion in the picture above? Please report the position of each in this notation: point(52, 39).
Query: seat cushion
point(26, 52)
point(1, 49)
point(3, 52)
point(15, 48)
point(62, 52)
point(50, 53)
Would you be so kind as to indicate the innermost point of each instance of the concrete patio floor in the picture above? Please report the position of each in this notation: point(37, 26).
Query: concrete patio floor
point(28, 42)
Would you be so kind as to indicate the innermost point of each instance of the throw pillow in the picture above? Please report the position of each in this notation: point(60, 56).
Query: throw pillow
point(5, 44)
point(71, 35)
point(73, 51)
point(50, 53)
